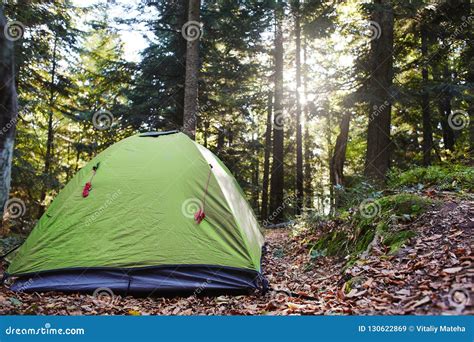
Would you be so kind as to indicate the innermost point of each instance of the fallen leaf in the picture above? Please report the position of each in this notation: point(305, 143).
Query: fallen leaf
point(404, 292)
point(434, 237)
point(294, 307)
point(452, 270)
point(354, 293)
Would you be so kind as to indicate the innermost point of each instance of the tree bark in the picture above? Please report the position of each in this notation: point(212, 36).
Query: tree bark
point(266, 160)
point(425, 100)
point(339, 156)
point(8, 112)
point(330, 152)
point(206, 132)
point(299, 137)
point(378, 133)
point(255, 180)
point(277, 177)
point(220, 139)
point(307, 145)
point(470, 80)
point(50, 139)
point(182, 10)
point(444, 106)
point(192, 75)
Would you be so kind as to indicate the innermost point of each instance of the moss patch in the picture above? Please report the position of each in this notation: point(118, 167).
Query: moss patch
point(395, 240)
point(444, 177)
point(356, 237)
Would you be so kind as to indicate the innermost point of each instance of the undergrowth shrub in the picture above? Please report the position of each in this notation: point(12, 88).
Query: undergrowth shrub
point(443, 177)
point(359, 230)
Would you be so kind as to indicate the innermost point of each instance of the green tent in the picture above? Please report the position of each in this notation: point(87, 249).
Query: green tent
point(154, 212)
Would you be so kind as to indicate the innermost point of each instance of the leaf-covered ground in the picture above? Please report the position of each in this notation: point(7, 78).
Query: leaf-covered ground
point(431, 275)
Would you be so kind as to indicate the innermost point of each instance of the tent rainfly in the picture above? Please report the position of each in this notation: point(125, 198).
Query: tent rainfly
point(153, 213)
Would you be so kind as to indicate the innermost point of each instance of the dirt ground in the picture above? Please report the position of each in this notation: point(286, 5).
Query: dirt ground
point(432, 274)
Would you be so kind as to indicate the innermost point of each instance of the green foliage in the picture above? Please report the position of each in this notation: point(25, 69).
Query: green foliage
point(334, 243)
point(352, 283)
point(356, 190)
point(400, 206)
point(395, 240)
point(237, 75)
point(442, 177)
point(355, 236)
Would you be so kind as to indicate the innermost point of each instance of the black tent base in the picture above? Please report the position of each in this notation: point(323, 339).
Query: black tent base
point(183, 280)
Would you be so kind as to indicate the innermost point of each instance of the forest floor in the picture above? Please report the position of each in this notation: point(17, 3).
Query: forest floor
point(431, 274)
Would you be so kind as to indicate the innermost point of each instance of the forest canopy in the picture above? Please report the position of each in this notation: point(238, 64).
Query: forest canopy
point(308, 103)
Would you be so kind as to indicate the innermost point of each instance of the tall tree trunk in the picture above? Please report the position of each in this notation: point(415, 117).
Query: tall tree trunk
point(182, 10)
point(220, 139)
point(192, 71)
point(277, 178)
point(50, 139)
point(307, 144)
point(266, 159)
point(425, 100)
point(8, 112)
point(339, 156)
point(470, 80)
point(444, 106)
point(255, 180)
point(378, 133)
point(330, 152)
point(299, 138)
point(206, 132)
